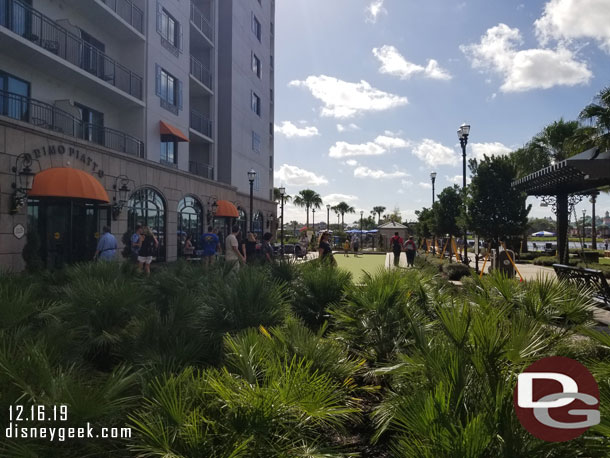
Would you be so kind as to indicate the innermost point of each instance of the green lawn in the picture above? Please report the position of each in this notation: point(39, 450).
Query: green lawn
point(370, 263)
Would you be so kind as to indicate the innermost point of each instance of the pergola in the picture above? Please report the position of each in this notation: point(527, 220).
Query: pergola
point(564, 184)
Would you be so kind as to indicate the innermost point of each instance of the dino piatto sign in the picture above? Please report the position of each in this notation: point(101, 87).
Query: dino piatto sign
point(68, 151)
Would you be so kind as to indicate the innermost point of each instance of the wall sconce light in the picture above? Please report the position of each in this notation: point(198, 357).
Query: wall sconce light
point(212, 208)
point(121, 194)
point(23, 180)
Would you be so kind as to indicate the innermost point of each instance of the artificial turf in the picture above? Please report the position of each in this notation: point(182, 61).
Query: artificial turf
point(370, 263)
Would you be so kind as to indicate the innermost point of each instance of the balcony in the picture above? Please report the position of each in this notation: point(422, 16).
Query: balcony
point(201, 169)
point(37, 28)
point(202, 23)
point(49, 117)
point(130, 13)
point(201, 124)
point(201, 73)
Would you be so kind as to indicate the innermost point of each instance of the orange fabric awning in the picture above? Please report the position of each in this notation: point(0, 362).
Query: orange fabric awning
point(67, 182)
point(168, 129)
point(226, 209)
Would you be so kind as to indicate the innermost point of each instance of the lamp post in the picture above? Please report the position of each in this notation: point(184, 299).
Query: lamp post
point(433, 179)
point(251, 178)
point(463, 133)
point(361, 214)
point(593, 228)
point(282, 194)
point(584, 214)
point(23, 180)
point(313, 219)
point(327, 217)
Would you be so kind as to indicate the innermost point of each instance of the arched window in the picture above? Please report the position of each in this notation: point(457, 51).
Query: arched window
point(190, 222)
point(242, 221)
point(257, 225)
point(146, 207)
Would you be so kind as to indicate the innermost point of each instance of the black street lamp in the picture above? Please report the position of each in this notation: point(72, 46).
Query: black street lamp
point(584, 232)
point(463, 133)
point(593, 227)
point(327, 217)
point(251, 178)
point(313, 220)
point(361, 214)
point(282, 194)
point(433, 178)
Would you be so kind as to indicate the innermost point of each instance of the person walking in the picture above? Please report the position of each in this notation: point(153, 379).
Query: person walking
point(346, 248)
point(232, 253)
point(266, 248)
point(148, 249)
point(355, 245)
point(106, 246)
point(210, 244)
point(325, 252)
point(250, 249)
point(410, 250)
point(396, 245)
point(136, 243)
point(188, 249)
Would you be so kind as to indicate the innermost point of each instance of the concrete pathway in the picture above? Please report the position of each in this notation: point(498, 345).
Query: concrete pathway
point(389, 260)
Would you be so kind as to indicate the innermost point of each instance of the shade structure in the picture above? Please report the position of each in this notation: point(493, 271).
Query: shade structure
point(168, 129)
point(226, 209)
point(69, 183)
point(543, 234)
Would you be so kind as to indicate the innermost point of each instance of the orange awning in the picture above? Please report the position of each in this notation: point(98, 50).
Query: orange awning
point(226, 209)
point(168, 129)
point(67, 182)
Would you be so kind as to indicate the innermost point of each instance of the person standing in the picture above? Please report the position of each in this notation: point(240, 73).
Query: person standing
point(355, 245)
point(106, 246)
point(136, 242)
point(210, 244)
point(346, 248)
point(148, 249)
point(396, 245)
point(266, 248)
point(325, 252)
point(250, 249)
point(232, 253)
point(410, 250)
point(188, 249)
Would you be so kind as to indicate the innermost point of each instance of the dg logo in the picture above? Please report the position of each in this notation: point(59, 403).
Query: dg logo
point(557, 399)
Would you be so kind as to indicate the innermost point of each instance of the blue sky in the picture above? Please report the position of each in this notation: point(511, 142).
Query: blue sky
point(369, 94)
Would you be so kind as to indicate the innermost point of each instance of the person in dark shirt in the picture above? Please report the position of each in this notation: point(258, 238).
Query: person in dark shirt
point(396, 245)
point(250, 248)
point(266, 248)
point(325, 252)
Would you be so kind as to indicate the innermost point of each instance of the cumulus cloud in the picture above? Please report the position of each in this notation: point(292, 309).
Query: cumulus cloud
point(347, 127)
point(351, 162)
point(526, 69)
point(342, 99)
point(381, 145)
point(374, 10)
point(434, 153)
point(293, 175)
point(334, 199)
point(574, 19)
point(366, 172)
point(290, 130)
point(423, 184)
point(391, 142)
point(457, 179)
point(489, 149)
point(394, 63)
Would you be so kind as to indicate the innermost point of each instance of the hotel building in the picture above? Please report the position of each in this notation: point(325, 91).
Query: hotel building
point(120, 112)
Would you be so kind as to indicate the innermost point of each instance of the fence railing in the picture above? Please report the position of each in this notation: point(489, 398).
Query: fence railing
point(201, 73)
point(202, 22)
point(201, 169)
point(201, 123)
point(49, 117)
point(32, 25)
point(129, 12)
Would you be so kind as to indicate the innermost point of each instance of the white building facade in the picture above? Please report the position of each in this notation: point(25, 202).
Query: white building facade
point(124, 112)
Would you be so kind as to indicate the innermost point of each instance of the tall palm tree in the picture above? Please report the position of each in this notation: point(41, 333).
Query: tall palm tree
point(308, 199)
point(277, 197)
point(554, 140)
point(343, 208)
point(378, 211)
point(599, 114)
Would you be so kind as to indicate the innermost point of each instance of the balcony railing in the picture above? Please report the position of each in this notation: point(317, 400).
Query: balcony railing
point(201, 123)
point(129, 12)
point(49, 117)
point(201, 72)
point(32, 25)
point(202, 22)
point(201, 169)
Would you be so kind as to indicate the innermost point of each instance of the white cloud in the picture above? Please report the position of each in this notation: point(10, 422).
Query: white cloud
point(489, 149)
point(290, 130)
point(293, 175)
point(347, 127)
point(342, 99)
point(527, 69)
point(574, 19)
point(391, 142)
point(334, 199)
point(366, 172)
point(344, 149)
point(394, 63)
point(457, 179)
point(406, 183)
point(434, 153)
point(375, 9)
point(423, 184)
point(351, 162)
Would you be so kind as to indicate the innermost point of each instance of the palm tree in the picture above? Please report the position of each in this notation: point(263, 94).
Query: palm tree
point(599, 114)
point(277, 197)
point(554, 140)
point(378, 211)
point(343, 208)
point(308, 199)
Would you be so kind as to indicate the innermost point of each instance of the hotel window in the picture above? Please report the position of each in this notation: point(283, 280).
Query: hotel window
point(93, 124)
point(256, 103)
point(256, 27)
point(169, 90)
point(169, 151)
point(169, 29)
point(14, 98)
point(256, 142)
point(256, 65)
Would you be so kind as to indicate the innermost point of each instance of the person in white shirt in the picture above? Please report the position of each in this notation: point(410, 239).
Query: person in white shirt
point(232, 253)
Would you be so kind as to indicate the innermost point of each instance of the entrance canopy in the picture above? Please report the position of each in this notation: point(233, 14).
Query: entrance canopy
point(69, 183)
point(226, 209)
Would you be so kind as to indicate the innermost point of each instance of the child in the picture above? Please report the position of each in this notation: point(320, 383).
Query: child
point(346, 245)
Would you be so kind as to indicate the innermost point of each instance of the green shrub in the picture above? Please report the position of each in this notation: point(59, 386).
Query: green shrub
point(456, 270)
point(545, 260)
point(31, 252)
point(530, 255)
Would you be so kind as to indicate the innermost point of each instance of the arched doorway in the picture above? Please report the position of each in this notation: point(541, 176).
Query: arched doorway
point(190, 221)
point(146, 207)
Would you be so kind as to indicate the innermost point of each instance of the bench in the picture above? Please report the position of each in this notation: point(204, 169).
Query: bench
point(589, 278)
